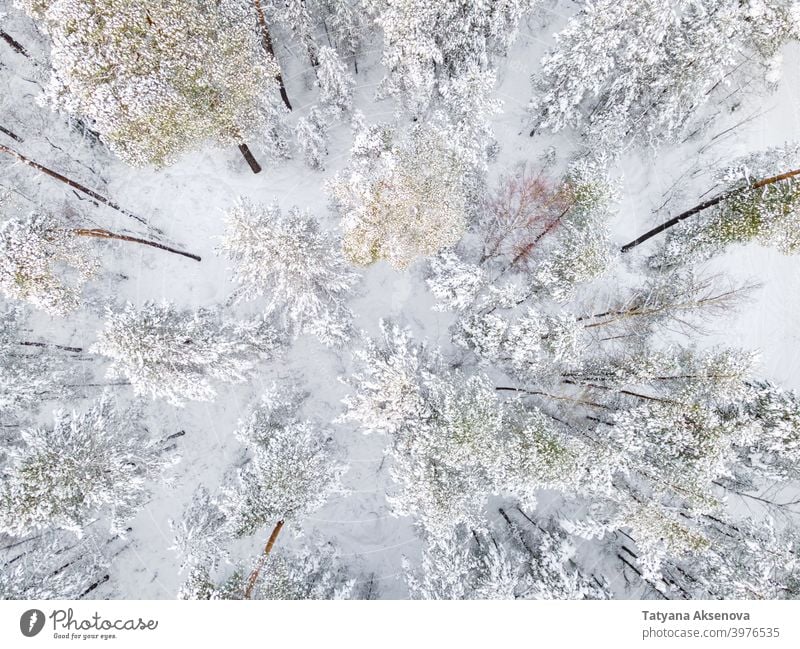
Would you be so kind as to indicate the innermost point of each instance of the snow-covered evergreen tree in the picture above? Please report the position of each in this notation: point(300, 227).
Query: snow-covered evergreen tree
point(201, 533)
point(161, 78)
point(453, 441)
point(166, 352)
point(487, 565)
point(638, 71)
point(427, 44)
point(346, 23)
point(28, 373)
point(299, 17)
point(401, 197)
point(745, 560)
point(312, 137)
point(95, 463)
point(464, 566)
point(335, 83)
point(42, 262)
point(293, 469)
point(297, 267)
point(313, 572)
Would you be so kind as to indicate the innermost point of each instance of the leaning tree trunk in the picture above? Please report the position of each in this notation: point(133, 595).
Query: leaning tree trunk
point(75, 185)
point(251, 582)
point(705, 205)
point(105, 234)
point(266, 43)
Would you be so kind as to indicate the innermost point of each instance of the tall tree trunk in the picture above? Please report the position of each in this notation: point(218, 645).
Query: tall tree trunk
point(266, 43)
point(105, 234)
point(705, 205)
point(251, 160)
point(75, 185)
point(251, 582)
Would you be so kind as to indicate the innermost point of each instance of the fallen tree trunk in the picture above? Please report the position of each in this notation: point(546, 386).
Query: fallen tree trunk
point(705, 205)
point(75, 185)
point(105, 234)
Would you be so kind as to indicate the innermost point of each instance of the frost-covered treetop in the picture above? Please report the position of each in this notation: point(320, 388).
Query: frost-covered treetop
point(160, 77)
point(27, 374)
point(298, 268)
point(454, 442)
point(402, 197)
point(429, 42)
point(293, 471)
point(84, 465)
point(626, 71)
point(178, 354)
point(41, 261)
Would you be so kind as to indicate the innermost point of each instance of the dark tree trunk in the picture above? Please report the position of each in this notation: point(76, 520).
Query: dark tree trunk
point(27, 343)
point(11, 134)
point(251, 582)
point(105, 234)
point(251, 160)
point(266, 43)
point(704, 206)
point(14, 44)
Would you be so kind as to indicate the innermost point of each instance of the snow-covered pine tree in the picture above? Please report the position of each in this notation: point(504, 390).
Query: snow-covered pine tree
point(42, 262)
point(299, 18)
point(402, 196)
point(633, 71)
point(160, 78)
point(345, 24)
point(464, 565)
point(773, 450)
point(297, 267)
point(491, 563)
point(453, 441)
point(314, 571)
point(427, 44)
point(201, 533)
point(744, 560)
point(312, 137)
point(551, 570)
point(178, 354)
point(335, 83)
point(86, 465)
point(293, 471)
